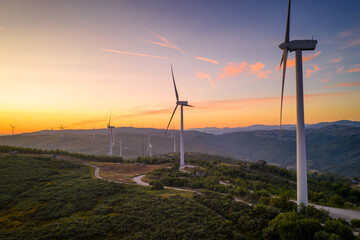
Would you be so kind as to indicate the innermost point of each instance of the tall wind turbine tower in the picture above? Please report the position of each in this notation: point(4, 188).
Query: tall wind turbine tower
point(110, 130)
point(12, 129)
point(298, 46)
point(182, 104)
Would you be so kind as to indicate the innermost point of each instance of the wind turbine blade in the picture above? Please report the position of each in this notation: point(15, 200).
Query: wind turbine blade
point(285, 54)
point(287, 24)
point(176, 92)
point(110, 118)
point(171, 118)
point(187, 105)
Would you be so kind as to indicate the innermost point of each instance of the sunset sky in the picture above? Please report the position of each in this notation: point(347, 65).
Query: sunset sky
point(73, 62)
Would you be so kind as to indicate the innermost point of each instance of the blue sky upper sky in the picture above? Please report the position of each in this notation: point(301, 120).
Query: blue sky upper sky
point(71, 62)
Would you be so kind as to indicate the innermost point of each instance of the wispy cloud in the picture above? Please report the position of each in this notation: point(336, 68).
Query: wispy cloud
point(345, 34)
point(135, 54)
point(207, 60)
point(86, 122)
point(256, 69)
point(232, 70)
point(336, 60)
point(4, 29)
point(147, 112)
point(339, 69)
point(165, 42)
point(351, 43)
point(355, 69)
point(309, 72)
point(307, 57)
point(226, 105)
point(342, 84)
point(324, 80)
point(202, 75)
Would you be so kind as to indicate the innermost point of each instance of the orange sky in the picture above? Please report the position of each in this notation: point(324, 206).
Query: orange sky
point(61, 66)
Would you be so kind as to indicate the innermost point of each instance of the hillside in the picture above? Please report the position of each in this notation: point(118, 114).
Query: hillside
point(333, 148)
point(59, 199)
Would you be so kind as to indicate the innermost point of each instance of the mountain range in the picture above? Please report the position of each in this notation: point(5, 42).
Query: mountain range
point(330, 147)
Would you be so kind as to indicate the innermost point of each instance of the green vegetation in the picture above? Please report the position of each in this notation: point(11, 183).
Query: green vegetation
point(86, 157)
point(258, 183)
point(48, 198)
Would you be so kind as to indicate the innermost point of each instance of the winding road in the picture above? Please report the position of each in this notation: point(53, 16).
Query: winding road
point(347, 214)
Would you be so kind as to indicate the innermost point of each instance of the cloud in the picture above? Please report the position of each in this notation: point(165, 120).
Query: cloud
point(339, 69)
point(324, 80)
point(135, 54)
point(4, 29)
point(256, 69)
point(232, 70)
point(147, 112)
point(85, 122)
point(342, 84)
point(309, 72)
point(355, 69)
point(351, 43)
point(202, 75)
point(345, 34)
point(336, 60)
point(165, 42)
point(207, 60)
point(307, 57)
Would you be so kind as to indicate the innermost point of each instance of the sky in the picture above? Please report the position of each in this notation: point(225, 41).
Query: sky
point(72, 63)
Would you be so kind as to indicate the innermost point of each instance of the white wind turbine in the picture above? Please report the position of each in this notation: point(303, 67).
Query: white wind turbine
point(12, 129)
point(298, 46)
point(149, 149)
point(110, 128)
point(121, 148)
point(182, 104)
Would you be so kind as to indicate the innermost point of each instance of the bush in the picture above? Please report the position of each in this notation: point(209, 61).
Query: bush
point(355, 223)
point(337, 200)
point(338, 227)
point(156, 185)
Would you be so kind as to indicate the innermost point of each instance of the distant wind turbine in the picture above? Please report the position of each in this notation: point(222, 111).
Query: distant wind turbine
point(121, 150)
point(182, 104)
point(298, 46)
point(61, 128)
point(110, 128)
point(94, 133)
point(149, 149)
point(12, 129)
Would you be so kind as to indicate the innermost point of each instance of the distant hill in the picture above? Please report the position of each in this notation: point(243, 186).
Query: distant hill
point(334, 148)
point(218, 131)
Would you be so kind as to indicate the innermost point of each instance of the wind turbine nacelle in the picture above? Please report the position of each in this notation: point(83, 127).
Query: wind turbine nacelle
point(303, 45)
point(182, 102)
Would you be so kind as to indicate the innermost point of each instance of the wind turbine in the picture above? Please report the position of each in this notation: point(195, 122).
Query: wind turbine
point(298, 46)
point(121, 150)
point(93, 133)
point(182, 104)
point(61, 128)
point(149, 148)
point(110, 128)
point(12, 129)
